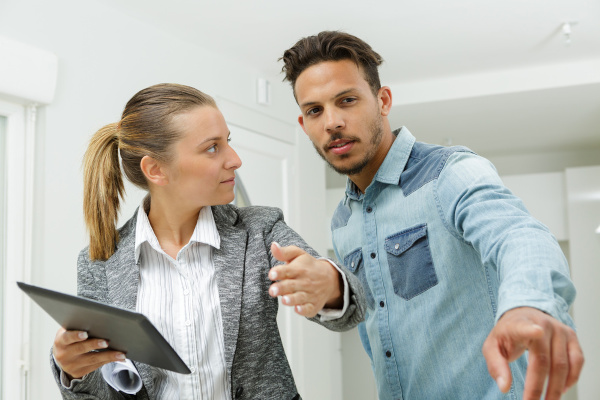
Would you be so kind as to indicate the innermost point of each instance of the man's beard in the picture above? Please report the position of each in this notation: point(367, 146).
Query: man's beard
point(376, 129)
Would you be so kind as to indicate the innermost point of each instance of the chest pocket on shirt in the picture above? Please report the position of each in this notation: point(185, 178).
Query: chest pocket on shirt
point(354, 262)
point(410, 262)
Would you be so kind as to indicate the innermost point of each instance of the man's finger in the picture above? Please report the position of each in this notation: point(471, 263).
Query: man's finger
point(497, 364)
point(285, 254)
point(282, 272)
point(559, 367)
point(285, 285)
point(306, 310)
point(576, 359)
point(540, 359)
point(295, 299)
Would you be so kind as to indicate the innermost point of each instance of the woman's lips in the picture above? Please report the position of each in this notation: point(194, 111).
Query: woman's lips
point(229, 181)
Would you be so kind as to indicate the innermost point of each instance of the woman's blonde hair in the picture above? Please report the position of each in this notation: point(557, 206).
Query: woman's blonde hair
point(145, 129)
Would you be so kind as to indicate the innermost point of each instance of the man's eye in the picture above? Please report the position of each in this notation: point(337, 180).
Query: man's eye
point(349, 100)
point(312, 111)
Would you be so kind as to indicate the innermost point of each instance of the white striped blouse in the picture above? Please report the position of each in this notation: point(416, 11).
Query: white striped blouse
point(181, 299)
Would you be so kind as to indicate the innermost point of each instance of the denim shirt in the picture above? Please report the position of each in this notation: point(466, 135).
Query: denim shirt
point(443, 249)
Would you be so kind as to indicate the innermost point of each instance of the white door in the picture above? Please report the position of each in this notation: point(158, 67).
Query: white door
point(266, 173)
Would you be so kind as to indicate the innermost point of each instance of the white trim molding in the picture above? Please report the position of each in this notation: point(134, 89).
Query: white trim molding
point(19, 159)
point(26, 72)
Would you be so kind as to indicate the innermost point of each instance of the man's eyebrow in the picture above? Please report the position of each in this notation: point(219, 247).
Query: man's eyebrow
point(343, 92)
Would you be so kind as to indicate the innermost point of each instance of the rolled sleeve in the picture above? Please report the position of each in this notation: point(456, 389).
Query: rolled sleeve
point(478, 208)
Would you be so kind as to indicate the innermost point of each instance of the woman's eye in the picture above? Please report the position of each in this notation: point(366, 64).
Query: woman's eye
point(212, 149)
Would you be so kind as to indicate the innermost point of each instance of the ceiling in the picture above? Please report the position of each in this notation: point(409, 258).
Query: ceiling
point(498, 77)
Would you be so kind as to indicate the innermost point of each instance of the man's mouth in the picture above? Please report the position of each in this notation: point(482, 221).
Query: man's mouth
point(340, 146)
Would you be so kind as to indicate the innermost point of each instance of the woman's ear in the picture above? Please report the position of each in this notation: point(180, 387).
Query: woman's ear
point(153, 171)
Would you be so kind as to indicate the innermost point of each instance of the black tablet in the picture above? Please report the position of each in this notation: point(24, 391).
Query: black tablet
point(126, 331)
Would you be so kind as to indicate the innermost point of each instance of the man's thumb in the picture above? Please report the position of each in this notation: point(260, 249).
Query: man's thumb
point(285, 254)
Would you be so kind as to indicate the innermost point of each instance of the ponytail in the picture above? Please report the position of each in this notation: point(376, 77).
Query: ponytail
point(102, 191)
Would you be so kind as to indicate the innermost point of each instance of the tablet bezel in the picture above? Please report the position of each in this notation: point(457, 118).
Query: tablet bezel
point(125, 330)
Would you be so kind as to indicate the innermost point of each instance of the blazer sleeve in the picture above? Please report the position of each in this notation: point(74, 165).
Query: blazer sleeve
point(93, 386)
point(281, 233)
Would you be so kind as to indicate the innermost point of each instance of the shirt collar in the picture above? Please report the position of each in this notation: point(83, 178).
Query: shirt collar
point(390, 170)
point(205, 231)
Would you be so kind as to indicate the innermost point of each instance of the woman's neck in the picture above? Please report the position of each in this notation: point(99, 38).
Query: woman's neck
point(173, 226)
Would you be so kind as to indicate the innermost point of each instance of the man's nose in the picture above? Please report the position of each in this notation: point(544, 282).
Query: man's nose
point(333, 121)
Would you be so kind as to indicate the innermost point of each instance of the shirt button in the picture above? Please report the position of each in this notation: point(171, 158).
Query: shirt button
point(373, 255)
point(352, 265)
point(369, 209)
point(381, 304)
point(186, 292)
point(397, 246)
point(188, 322)
point(193, 370)
point(388, 353)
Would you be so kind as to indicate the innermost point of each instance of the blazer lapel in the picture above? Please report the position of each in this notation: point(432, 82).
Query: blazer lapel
point(123, 277)
point(229, 263)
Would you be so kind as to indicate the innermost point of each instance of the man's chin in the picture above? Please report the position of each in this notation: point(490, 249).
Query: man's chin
point(347, 169)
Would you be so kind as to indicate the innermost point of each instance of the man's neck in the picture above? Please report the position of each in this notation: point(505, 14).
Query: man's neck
point(363, 179)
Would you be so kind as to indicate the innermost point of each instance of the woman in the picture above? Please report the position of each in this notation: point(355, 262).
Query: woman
point(194, 264)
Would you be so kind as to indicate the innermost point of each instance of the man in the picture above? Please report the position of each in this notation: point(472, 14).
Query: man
point(451, 262)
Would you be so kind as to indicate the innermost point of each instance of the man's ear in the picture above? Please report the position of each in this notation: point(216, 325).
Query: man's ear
point(301, 122)
point(384, 96)
point(153, 171)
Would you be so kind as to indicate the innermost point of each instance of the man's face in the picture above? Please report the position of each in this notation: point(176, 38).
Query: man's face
point(341, 116)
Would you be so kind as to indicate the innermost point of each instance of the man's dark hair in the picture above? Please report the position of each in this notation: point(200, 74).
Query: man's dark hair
point(331, 46)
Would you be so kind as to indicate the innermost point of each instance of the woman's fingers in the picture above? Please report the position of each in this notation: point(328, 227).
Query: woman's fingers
point(77, 355)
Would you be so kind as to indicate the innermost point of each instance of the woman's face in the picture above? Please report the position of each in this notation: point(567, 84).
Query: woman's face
point(202, 172)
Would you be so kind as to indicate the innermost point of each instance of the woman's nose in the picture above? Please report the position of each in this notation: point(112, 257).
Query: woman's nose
point(233, 160)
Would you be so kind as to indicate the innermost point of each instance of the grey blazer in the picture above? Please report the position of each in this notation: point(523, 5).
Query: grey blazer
point(254, 355)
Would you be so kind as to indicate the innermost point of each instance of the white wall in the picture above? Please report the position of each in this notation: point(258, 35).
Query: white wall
point(104, 58)
point(583, 187)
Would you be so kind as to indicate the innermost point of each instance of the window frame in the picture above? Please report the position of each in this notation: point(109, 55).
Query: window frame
point(19, 163)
